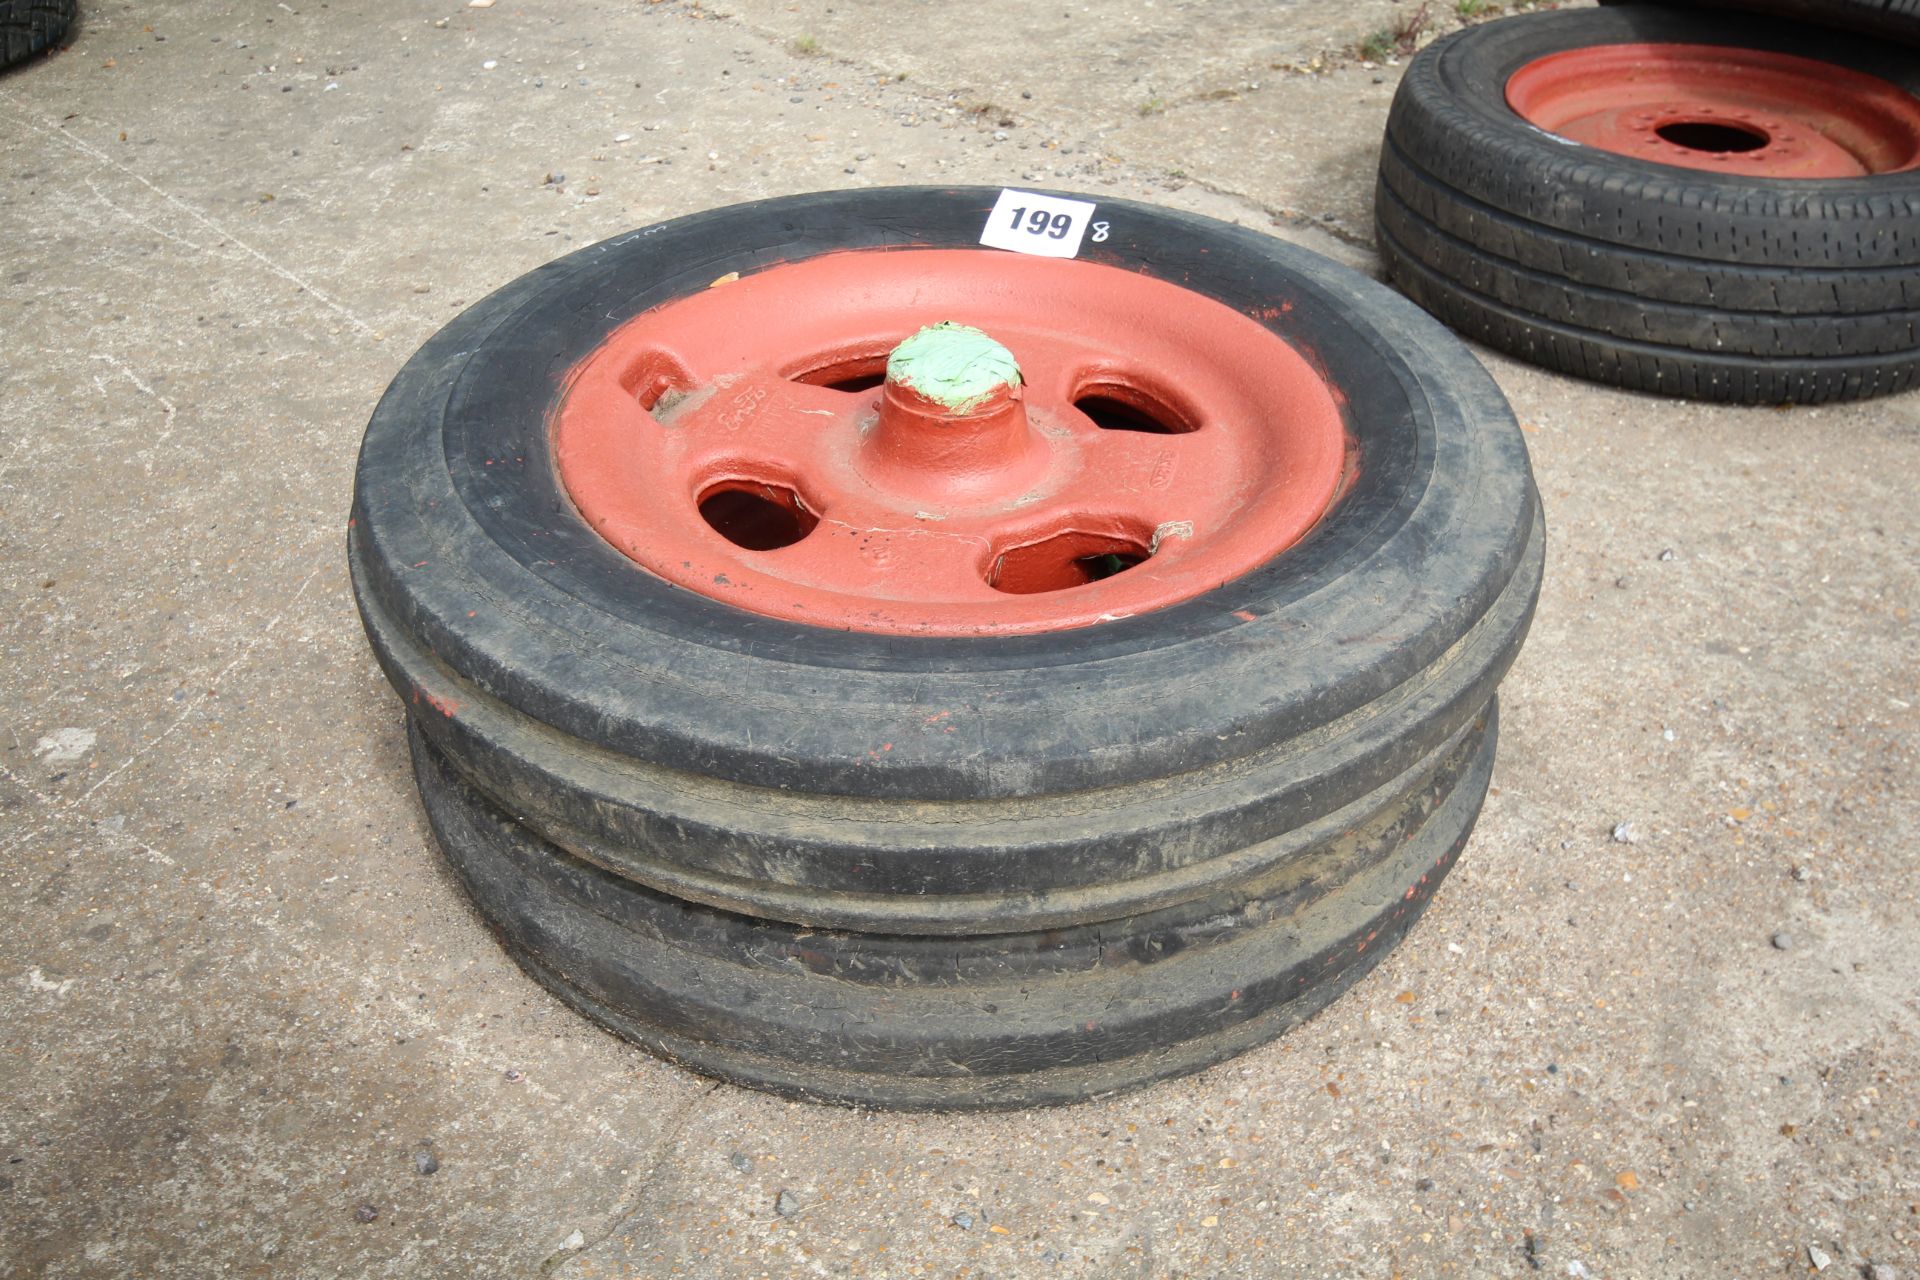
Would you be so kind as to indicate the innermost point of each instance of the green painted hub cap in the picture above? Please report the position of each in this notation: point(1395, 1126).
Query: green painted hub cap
point(953, 365)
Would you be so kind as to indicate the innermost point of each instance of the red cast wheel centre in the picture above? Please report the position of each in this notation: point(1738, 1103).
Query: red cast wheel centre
point(1728, 110)
point(754, 443)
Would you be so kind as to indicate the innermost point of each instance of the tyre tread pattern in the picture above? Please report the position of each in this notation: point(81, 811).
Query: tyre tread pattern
point(978, 1023)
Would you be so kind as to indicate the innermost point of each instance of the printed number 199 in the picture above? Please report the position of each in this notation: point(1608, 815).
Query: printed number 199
point(1038, 223)
point(1028, 222)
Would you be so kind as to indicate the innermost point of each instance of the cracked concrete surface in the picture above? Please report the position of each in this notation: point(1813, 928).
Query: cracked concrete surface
point(239, 995)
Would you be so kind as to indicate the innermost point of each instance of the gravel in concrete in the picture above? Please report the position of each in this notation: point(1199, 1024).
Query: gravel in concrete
point(239, 994)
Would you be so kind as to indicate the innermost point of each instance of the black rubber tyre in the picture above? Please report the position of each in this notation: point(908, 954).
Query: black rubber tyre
point(1195, 775)
point(1899, 19)
point(1645, 275)
point(1000, 1020)
point(29, 26)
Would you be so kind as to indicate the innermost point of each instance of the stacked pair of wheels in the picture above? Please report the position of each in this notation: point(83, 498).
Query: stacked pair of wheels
point(1690, 201)
point(859, 662)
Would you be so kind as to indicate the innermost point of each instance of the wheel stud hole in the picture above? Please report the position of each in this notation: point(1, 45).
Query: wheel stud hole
point(859, 382)
point(1106, 564)
point(1716, 136)
point(756, 515)
point(1116, 408)
point(864, 373)
point(1066, 560)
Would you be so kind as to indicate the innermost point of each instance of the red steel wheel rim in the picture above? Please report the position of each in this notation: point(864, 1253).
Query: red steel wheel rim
point(739, 442)
point(1722, 109)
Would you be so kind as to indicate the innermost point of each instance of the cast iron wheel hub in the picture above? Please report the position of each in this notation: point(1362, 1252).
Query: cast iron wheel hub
point(1121, 444)
point(1726, 110)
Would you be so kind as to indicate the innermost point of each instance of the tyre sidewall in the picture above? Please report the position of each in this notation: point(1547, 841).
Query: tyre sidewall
point(464, 536)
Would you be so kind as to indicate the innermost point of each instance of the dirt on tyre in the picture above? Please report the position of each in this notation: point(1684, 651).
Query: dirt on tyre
point(1665, 200)
point(28, 27)
point(814, 716)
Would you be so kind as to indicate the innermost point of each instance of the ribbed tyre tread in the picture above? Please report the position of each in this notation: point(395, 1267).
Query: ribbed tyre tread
point(970, 1023)
point(1599, 357)
point(743, 849)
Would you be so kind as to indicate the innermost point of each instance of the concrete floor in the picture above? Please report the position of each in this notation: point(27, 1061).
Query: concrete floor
point(239, 996)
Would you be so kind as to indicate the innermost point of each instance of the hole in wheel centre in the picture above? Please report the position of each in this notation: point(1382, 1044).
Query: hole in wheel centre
point(1717, 136)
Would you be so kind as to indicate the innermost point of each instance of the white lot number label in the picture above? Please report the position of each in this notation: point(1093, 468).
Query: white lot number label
point(1046, 225)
